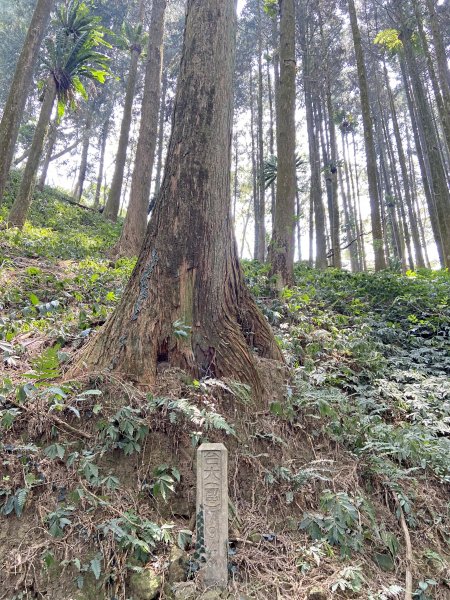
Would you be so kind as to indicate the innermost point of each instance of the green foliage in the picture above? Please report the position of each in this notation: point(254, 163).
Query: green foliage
point(71, 53)
point(58, 520)
point(164, 481)
point(205, 418)
point(338, 524)
point(125, 430)
point(389, 39)
point(135, 534)
point(351, 579)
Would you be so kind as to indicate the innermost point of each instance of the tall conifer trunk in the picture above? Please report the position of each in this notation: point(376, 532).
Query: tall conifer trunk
point(19, 209)
point(283, 238)
point(188, 274)
point(135, 225)
point(372, 170)
point(15, 104)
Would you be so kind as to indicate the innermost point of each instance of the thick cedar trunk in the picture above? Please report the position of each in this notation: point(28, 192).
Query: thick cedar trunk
point(19, 209)
point(135, 225)
point(113, 203)
point(283, 238)
point(188, 269)
point(375, 203)
point(78, 192)
point(51, 141)
point(15, 104)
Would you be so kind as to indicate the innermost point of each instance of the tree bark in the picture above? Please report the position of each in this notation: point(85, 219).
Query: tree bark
point(15, 104)
point(188, 274)
point(113, 204)
point(101, 167)
point(133, 232)
point(441, 194)
point(260, 230)
point(162, 120)
point(372, 170)
point(51, 141)
point(78, 192)
point(442, 65)
point(283, 238)
point(19, 209)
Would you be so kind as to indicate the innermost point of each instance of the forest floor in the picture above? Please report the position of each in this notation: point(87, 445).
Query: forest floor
point(332, 476)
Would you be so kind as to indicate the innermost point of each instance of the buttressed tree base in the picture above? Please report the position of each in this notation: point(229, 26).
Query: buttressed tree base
point(186, 303)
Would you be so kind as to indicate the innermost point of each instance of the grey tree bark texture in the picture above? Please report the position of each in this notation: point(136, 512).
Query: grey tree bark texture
point(15, 104)
point(371, 157)
point(188, 270)
point(133, 232)
point(113, 204)
point(283, 238)
point(19, 210)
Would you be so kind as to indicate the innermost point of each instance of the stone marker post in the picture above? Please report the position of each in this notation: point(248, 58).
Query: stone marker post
point(212, 512)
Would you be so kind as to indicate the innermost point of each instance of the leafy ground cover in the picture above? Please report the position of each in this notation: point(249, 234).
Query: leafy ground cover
point(332, 475)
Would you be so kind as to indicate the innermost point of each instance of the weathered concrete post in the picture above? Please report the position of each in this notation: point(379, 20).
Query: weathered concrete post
point(212, 512)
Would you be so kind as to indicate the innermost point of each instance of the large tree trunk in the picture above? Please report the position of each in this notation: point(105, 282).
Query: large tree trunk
point(19, 209)
point(15, 104)
point(135, 225)
point(188, 275)
point(372, 170)
point(282, 245)
point(113, 204)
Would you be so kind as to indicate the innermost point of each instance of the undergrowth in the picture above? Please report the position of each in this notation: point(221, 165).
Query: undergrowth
point(323, 477)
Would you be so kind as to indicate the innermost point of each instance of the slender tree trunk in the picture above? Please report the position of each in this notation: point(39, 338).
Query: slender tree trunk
point(78, 192)
point(15, 104)
point(423, 163)
point(260, 131)
point(444, 117)
point(352, 225)
point(51, 141)
point(19, 209)
point(442, 65)
point(162, 120)
point(361, 244)
point(334, 216)
point(113, 204)
point(405, 178)
point(440, 189)
point(256, 204)
point(133, 232)
point(314, 156)
point(375, 203)
point(181, 277)
point(101, 167)
point(271, 134)
point(283, 241)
